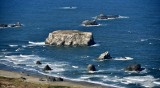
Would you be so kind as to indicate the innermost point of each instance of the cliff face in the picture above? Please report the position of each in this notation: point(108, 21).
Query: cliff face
point(70, 38)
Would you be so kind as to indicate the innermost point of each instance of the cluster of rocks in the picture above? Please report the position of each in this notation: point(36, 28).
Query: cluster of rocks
point(52, 79)
point(75, 37)
point(49, 78)
point(99, 17)
point(107, 56)
point(18, 24)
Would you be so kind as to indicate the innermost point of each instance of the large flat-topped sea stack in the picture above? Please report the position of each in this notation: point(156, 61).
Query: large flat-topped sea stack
point(70, 38)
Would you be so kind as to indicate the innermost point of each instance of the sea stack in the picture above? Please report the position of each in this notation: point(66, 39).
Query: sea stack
point(91, 67)
point(47, 68)
point(104, 56)
point(70, 38)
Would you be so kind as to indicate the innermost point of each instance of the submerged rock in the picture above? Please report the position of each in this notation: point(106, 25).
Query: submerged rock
point(47, 68)
point(134, 67)
point(104, 56)
point(89, 22)
point(91, 67)
point(70, 38)
point(103, 17)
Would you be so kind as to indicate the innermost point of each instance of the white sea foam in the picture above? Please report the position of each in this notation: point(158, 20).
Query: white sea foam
point(36, 43)
point(123, 16)
point(75, 66)
point(13, 45)
point(18, 49)
point(23, 59)
point(123, 58)
point(95, 45)
point(91, 25)
point(146, 81)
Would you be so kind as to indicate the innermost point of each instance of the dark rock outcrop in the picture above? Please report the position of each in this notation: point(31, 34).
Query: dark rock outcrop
point(38, 63)
point(103, 17)
point(51, 79)
point(134, 67)
point(3, 25)
point(46, 68)
point(91, 67)
point(70, 38)
point(89, 22)
point(104, 56)
point(10, 25)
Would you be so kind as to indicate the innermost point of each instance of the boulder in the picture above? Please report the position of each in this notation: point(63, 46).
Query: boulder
point(47, 68)
point(59, 79)
point(104, 56)
point(51, 79)
point(91, 67)
point(70, 38)
point(38, 63)
point(89, 22)
point(134, 67)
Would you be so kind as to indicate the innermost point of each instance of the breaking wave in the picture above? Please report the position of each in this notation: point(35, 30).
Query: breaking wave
point(36, 43)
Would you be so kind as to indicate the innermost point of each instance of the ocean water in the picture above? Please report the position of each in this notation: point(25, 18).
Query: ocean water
point(135, 35)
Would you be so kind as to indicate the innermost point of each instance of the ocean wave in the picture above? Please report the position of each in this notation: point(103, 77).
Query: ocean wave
point(68, 7)
point(123, 58)
point(56, 66)
point(146, 81)
point(36, 43)
point(22, 59)
point(13, 45)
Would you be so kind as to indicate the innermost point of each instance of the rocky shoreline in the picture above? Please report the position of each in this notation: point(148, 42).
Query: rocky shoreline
point(42, 80)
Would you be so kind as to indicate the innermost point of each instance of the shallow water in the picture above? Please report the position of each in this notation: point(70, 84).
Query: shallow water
point(134, 35)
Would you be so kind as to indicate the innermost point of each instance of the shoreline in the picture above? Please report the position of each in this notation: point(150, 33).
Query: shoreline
point(42, 79)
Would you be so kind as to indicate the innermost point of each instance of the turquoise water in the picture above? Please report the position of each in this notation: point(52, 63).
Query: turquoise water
point(134, 35)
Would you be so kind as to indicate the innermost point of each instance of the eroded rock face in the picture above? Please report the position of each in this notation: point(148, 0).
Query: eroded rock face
point(70, 38)
point(134, 67)
point(104, 56)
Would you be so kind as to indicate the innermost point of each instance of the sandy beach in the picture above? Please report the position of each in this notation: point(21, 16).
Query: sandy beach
point(41, 82)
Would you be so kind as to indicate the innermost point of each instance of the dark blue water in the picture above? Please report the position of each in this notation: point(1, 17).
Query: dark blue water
point(135, 35)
